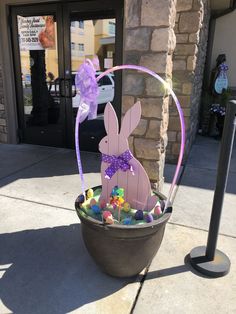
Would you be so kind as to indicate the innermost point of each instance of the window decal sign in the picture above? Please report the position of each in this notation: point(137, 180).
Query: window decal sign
point(221, 82)
point(36, 32)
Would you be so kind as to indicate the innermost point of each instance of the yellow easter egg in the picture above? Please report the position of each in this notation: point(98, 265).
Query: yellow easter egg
point(90, 193)
point(126, 207)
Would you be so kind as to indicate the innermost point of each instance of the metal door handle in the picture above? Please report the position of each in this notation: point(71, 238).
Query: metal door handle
point(63, 88)
point(69, 93)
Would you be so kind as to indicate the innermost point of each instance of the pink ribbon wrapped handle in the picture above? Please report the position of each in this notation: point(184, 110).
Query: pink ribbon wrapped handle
point(180, 112)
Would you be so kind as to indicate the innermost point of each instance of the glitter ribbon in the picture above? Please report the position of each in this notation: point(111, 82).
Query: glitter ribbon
point(85, 82)
point(117, 162)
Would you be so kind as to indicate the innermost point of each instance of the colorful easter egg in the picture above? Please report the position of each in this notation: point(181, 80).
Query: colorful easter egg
point(127, 221)
point(149, 218)
point(102, 204)
point(109, 220)
point(157, 210)
point(126, 207)
point(139, 215)
point(79, 201)
point(90, 193)
point(158, 203)
point(93, 202)
point(96, 209)
point(107, 216)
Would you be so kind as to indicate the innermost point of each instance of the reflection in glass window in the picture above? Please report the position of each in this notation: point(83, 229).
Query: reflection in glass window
point(92, 37)
point(81, 24)
point(81, 47)
point(111, 28)
point(39, 67)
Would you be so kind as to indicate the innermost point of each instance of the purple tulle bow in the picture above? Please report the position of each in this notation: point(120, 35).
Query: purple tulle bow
point(120, 162)
point(85, 82)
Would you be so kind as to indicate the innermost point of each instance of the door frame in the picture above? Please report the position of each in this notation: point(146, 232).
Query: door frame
point(41, 9)
point(6, 57)
point(93, 10)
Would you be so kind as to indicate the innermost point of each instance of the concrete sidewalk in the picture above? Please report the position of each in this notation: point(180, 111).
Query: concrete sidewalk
point(45, 268)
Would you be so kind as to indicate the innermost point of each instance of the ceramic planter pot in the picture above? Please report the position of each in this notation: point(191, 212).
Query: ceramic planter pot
point(120, 250)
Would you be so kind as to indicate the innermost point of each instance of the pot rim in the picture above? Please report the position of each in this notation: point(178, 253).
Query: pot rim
point(101, 224)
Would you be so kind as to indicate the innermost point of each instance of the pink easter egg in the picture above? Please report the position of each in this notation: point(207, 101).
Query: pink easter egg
point(157, 210)
point(102, 204)
point(93, 202)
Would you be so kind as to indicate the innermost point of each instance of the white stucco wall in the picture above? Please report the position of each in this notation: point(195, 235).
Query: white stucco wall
point(225, 42)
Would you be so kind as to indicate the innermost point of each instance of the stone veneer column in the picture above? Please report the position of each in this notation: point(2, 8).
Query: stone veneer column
point(149, 41)
point(3, 124)
point(191, 31)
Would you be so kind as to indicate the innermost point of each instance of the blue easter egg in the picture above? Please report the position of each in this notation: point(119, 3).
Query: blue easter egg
point(139, 215)
point(149, 218)
point(81, 198)
point(79, 201)
point(127, 221)
point(96, 209)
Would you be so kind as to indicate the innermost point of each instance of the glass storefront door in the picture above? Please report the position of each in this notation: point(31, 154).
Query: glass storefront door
point(89, 38)
point(50, 43)
point(39, 65)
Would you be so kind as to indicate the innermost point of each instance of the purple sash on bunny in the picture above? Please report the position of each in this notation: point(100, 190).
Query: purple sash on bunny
point(117, 162)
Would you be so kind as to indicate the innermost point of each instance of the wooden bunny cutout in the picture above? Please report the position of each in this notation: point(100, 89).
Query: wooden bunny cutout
point(119, 167)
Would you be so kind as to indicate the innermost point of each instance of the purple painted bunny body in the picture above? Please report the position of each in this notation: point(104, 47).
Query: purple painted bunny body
point(134, 180)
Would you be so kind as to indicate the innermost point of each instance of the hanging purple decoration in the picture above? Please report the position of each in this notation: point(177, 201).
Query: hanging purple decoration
point(221, 81)
point(87, 87)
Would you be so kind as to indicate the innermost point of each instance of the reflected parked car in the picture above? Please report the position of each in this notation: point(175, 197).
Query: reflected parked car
point(106, 88)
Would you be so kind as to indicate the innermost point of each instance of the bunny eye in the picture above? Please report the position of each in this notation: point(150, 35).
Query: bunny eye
point(105, 141)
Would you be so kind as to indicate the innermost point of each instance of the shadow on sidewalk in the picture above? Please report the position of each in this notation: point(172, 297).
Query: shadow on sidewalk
point(61, 163)
point(50, 272)
point(175, 270)
point(201, 167)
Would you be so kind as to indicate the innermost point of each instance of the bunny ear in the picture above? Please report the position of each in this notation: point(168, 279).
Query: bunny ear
point(110, 120)
point(131, 119)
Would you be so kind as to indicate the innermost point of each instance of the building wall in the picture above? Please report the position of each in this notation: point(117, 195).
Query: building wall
point(150, 35)
point(191, 29)
point(3, 122)
point(224, 42)
point(149, 40)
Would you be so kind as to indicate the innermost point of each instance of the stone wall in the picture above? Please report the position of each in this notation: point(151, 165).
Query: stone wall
point(3, 124)
point(149, 40)
point(191, 31)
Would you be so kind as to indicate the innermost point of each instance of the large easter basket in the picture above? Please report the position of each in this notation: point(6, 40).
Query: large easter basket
point(120, 250)
point(123, 250)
